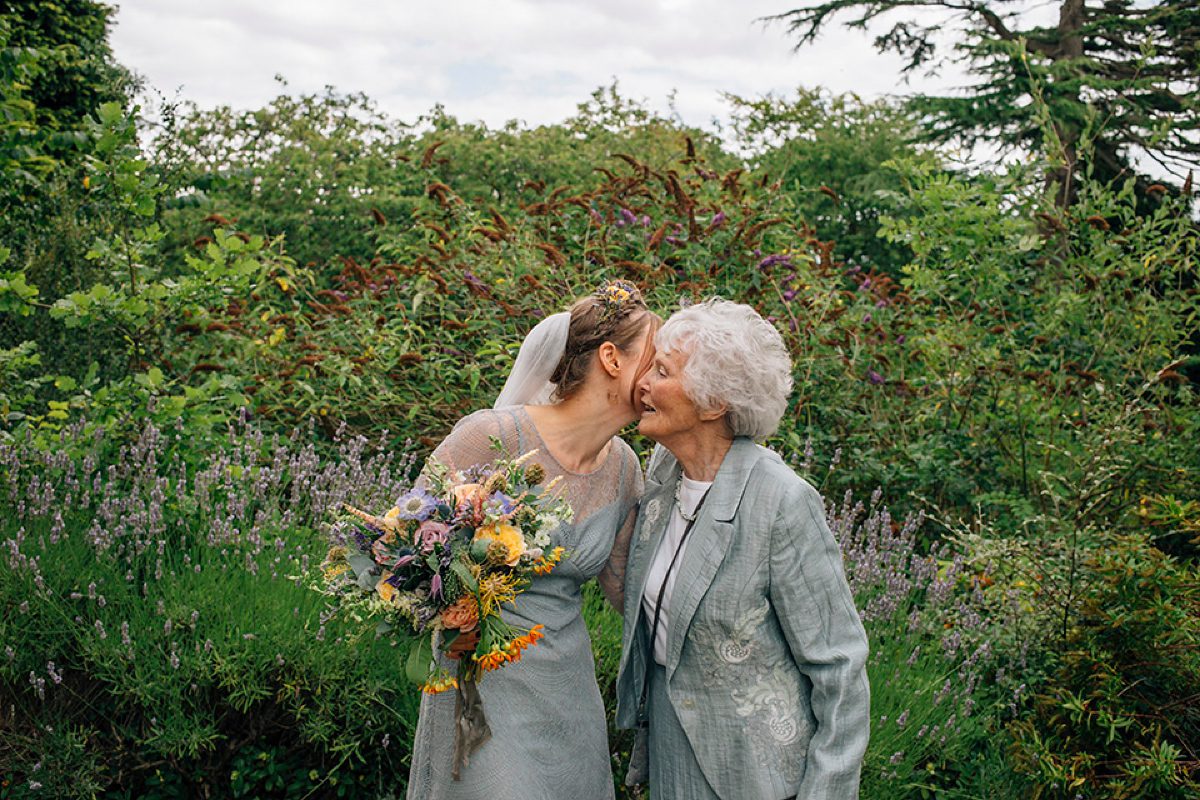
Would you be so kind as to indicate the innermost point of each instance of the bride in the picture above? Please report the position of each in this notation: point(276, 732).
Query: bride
point(572, 389)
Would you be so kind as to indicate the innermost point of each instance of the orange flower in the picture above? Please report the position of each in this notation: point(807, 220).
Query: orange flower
point(521, 642)
point(463, 615)
point(494, 659)
point(547, 562)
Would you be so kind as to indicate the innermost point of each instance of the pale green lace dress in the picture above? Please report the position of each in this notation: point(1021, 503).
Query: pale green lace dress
point(549, 733)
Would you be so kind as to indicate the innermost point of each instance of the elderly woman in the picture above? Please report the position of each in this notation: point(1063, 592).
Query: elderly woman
point(744, 661)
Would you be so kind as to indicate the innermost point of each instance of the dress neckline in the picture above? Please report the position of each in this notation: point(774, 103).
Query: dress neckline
point(546, 449)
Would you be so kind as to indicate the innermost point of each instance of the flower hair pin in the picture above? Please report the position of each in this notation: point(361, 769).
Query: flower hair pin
point(611, 298)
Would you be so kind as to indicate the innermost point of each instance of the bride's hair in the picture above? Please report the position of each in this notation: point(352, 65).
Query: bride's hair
point(615, 313)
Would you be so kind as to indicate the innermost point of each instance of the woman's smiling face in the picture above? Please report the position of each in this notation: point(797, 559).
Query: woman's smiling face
point(668, 411)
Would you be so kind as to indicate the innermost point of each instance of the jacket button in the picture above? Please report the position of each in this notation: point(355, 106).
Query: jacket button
point(687, 704)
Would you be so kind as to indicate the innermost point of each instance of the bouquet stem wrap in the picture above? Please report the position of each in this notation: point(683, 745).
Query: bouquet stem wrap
point(471, 729)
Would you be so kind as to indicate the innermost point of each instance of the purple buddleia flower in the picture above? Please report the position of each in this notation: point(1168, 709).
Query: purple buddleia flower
point(775, 259)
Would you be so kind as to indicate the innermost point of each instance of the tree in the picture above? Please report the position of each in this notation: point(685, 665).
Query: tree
point(56, 72)
point(829, 152)
point(1117, 79)
point(81, 73)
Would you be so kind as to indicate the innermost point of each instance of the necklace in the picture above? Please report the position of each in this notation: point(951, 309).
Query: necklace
point(679, 503)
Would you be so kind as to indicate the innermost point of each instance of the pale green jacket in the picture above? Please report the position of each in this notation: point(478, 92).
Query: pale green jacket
point(766, 656)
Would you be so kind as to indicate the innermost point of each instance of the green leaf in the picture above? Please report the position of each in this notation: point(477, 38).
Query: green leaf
point(363, 566)
point(464, 575)
point(420, 659)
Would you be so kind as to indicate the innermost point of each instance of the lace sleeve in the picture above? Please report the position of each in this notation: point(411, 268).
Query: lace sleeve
point(612, 577)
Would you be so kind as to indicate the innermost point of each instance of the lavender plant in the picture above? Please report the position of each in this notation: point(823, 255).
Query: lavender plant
point(934, 668)
point(153, 611)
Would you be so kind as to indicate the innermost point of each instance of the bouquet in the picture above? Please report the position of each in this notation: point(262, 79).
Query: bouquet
point(438, 567)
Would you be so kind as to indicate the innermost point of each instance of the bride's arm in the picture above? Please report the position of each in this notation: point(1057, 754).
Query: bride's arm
point(612, 577)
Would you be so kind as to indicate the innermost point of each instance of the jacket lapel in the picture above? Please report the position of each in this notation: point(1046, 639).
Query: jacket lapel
point(708, 543)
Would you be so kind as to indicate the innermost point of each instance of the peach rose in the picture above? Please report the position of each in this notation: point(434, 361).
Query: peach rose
point(467, 493)
point(464, 614)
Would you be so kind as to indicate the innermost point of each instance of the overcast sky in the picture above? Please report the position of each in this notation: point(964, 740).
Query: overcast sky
point(488, 60)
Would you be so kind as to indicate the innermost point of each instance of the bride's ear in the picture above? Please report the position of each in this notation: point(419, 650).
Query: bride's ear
point(609, 357)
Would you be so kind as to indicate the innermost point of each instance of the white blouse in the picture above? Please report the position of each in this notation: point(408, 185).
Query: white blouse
point(690, 494)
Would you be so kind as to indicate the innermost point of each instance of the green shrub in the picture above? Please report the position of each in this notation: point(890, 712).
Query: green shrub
point(1121, 717)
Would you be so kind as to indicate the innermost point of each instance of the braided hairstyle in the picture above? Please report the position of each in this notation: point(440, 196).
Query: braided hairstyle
point(615, 313)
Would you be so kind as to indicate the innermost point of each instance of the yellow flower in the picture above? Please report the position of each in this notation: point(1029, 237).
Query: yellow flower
point(440, 684)
point(507, 535)
point(333, 571)
point(495, 589)
point(385, 589)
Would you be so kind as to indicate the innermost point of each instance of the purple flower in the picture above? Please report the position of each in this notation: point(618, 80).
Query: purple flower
point(417, 504)
point(627, 218)
point(498, 505)
point(874, 378)
point(772, 260)
point(431, 533)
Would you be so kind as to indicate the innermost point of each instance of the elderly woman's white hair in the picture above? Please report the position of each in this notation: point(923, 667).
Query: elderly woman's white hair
point(735, 360)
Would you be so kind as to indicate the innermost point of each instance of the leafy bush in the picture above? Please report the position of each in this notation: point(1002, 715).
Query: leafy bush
point(1121, 718)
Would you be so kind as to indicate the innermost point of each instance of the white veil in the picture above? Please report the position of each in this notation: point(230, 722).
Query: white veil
point(529, 381)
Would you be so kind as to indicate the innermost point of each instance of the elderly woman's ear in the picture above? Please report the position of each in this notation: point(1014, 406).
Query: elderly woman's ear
point(716, 413)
